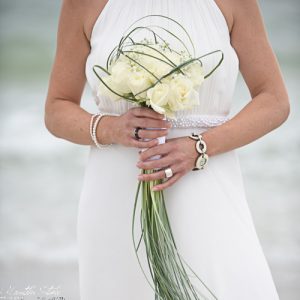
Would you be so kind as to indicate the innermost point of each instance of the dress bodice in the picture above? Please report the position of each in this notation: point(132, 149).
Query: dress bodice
point(208, 29)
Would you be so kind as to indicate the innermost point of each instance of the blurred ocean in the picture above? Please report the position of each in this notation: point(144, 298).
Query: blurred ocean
point(41, 175)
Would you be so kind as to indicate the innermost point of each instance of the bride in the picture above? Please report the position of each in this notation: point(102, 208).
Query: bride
point(208, 210)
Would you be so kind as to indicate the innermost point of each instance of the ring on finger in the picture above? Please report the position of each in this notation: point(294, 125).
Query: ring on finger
point(136, 133)
point(168, 172)
point(157, 174)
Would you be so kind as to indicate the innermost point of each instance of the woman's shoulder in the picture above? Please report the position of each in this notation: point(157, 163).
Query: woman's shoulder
point(85, 12)
point(91, 10)
point(237, 10)
point(226, 7)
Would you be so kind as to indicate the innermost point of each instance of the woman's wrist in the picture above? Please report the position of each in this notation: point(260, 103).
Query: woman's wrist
point(200, 148)
point(208, 139)
point(193, 152)
point(105, 130)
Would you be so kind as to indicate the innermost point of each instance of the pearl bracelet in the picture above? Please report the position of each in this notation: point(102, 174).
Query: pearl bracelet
point(91, 124)
point(93, 128)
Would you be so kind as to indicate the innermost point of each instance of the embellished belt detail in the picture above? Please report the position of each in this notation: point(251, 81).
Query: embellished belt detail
point(198, 121)
point(191, 121)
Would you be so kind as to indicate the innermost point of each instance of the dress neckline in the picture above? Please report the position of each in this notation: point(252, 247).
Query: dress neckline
point(99, 19)
point(104, 10)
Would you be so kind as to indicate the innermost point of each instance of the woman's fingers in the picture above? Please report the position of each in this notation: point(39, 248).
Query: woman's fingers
point(159, 174)
point(155, 163)
point(146, 112)
point(159, 149)
point(149, 123)
point(143, 144)
point(153, 176)
point(173, 155)
point(152, 133)
point(142, 117)
point(167, 183)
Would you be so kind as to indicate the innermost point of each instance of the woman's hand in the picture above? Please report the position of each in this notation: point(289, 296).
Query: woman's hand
point(177, 153)
point(123, 127)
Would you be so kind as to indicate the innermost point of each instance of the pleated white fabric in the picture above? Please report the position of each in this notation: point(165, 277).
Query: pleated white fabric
point(208, 210)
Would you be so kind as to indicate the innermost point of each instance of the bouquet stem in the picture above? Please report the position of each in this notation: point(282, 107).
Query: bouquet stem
point(170, 280)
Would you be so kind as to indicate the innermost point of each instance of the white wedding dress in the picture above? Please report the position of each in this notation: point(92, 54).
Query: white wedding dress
point(208, 211)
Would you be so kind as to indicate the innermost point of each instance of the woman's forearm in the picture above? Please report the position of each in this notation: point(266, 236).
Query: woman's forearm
point(257, 118)
point(67, 120)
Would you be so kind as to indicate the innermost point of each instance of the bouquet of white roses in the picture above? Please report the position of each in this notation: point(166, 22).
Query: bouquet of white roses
point(151, 73)
point(144, 72)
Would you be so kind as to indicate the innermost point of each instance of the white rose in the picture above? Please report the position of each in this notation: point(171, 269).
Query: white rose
point(158, 97)
point(122, 58)
point(195, 73)
point(120, 72)
point(169, 113)
point(104, 91)
point(155, 66)
point(160, 69)
point(184, 96)
point(137, 82)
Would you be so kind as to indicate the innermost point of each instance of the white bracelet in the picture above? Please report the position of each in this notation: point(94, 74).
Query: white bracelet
point(91, 124)
point(93, 128)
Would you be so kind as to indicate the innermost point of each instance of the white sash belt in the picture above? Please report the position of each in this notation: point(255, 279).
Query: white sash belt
point(198, 121)
point(193, 121)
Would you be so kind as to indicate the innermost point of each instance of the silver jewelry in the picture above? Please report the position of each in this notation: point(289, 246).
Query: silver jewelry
point(136, 133)
point(201, 147)
point(168, 172)
point(93, 128)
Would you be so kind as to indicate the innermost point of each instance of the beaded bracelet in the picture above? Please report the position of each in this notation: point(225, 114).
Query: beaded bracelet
point(93, 128)
point(91, 124)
